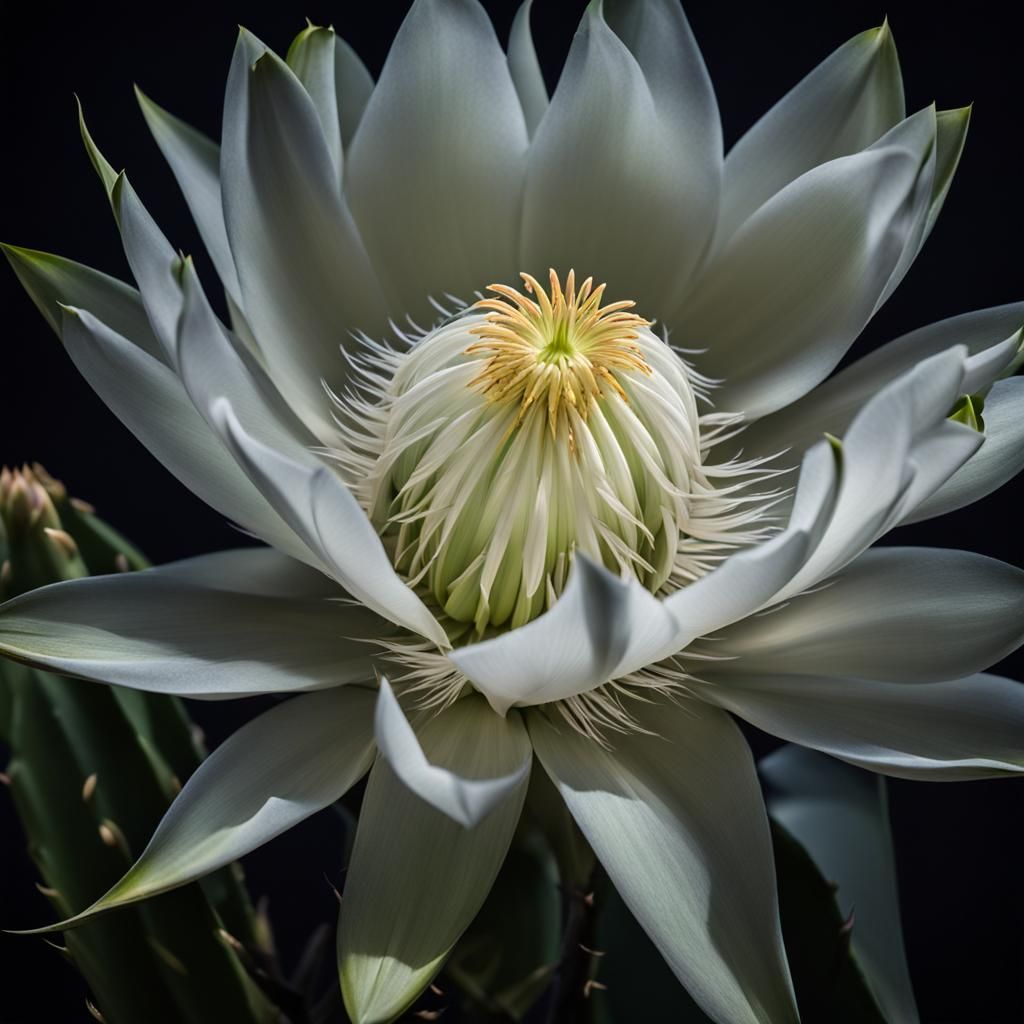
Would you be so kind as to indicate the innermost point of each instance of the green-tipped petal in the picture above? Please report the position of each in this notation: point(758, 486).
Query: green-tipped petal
point(951, 134)
point(195, 162)
point(52, 281)
point(311, 57)
point(101, 164)
point(278, 769)
point(417, 878)
point(844, 105)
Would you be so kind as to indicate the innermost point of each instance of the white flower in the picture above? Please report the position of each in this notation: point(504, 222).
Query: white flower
point(567, 540)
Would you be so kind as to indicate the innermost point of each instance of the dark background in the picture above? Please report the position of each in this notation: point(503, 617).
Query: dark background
point(959, 845)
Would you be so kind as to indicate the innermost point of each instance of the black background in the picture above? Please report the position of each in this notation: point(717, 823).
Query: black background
point(959, 845)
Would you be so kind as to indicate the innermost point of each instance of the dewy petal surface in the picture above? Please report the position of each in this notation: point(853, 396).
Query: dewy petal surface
point(637, 112)
point(845, 104)
point(958, 729)
point(906, 614)
point(779, 304)
point(417, 878)
point(678, 822)
point(218, 626)
point(290, 762)
point(434, 172)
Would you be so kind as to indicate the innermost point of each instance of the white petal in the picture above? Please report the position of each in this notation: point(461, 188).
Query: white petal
point(417, 878)
point(304, 276)
point(603, 627)
point(278, 769)
point(218, 626)
point(598, 627)
point(951, 134)
point(467, 801)
point(195, 161)
point(844, 105)
point(839, 815)
point(678, 822)
point(311, 57)
point(898, 449)
point(52, 282)
point(354, 86)
point(434, 173)
point(831, 406)
point(148, 398)
point(639, 114)
point(907, 614)
point(781, 302)
point(321, 510)
point(969, 728)
point(998, 460)
point(524, 68)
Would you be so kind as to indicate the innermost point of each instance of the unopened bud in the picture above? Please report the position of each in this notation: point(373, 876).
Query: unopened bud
point(62, 540)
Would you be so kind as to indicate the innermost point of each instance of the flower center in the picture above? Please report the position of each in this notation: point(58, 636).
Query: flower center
point(524, 430)
point(561, 350)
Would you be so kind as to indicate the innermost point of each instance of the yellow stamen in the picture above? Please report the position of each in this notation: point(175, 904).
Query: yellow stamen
point(562, 349)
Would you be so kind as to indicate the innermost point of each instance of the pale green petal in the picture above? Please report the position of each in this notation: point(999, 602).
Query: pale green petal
point(311, 57)
point(148, 398)
point(844, 105)
point(898, 449)
point(434, 173)
point(524, 68)
point(839, 815)
point(417, 878)
point(951, 135)
point(467, 801)
point(831, 406)
point(904, 614)
point(219, 626)
point(781, 302)
point(969, 728)
point(353, 84)
point(304, 275)
point(678, 822)
point(195, 161)
point(322, 511)
point(278, 769)
point(637, 111)
point(53, 281)
point(997, 461)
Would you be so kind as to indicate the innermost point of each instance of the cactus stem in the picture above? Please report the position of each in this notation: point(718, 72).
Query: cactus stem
point(112, 835)
point(63, 540)
point(168, 957)
point(89, 787)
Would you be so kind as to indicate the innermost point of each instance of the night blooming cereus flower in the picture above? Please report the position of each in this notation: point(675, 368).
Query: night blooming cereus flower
point(586, 513)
